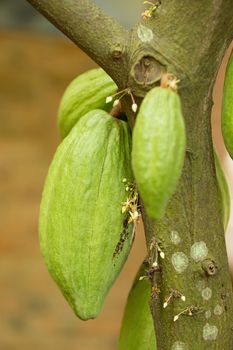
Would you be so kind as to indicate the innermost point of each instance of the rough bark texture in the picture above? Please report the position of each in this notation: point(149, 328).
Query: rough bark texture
point(188, 39)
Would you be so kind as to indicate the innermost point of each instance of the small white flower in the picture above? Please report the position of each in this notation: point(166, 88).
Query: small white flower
point(175, 318)
point(183, 298)
point(155, 264)
point(162, 255)
point(165, 305)
point(108, 99)
point(115, 103)
point(134, 107)
point(142, 278)
point(134, 215)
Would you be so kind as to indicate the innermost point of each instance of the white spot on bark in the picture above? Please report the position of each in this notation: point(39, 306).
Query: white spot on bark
point(199, 251)
point(180, 261)
point(218, 310)
point(200, 285)
point(175, 237)
point(179, 345)
point(206, 293)
point(208, 314)
point(145, 34)
point(210, 332)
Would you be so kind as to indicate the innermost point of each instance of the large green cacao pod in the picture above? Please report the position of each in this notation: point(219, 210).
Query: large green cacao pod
point(86, 92)
point(81, 211)
point(159, 142)
point(225, 199)
point(227, 108)
point(137, 329)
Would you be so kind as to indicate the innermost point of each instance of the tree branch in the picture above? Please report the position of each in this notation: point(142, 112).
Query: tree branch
point(190, 39)
point(97, 34)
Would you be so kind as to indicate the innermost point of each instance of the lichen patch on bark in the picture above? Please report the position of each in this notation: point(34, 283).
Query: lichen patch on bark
point(210, 332)
point(180, 261)
point(178, 345)
point(207, 314)
point(144, 34)
point(218, 310)
point(199, 251)
point(206, 293)
point(200, 284)
point(175, 237)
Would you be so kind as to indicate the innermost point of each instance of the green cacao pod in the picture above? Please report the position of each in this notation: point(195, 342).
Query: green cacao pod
point(159, 143)
point(81, 217)
point(137, 329)
point(86, 92)
point(227, 108)
point(225, 199)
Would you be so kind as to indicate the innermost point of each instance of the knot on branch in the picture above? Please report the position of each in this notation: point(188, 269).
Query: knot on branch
point(147, 70)
point(210, 267)
point(117, 51)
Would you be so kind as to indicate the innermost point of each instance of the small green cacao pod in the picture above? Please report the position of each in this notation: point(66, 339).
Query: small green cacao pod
point(137, 328)
point(159, 143)
point(227, 108)
point(81, 217)
point(225, 199)
point(86, 92)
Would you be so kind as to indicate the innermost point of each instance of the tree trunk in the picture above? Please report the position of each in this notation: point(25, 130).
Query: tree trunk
point(187, 39)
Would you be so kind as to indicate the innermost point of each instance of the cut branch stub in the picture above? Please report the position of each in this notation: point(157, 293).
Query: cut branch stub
point(145, 74)
point(148, 70)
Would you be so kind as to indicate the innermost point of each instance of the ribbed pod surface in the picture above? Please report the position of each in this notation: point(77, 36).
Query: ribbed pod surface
point(158, 149)
point(80, 216)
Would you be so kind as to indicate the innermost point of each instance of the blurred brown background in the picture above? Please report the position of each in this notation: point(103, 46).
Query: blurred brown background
point(36, 64)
